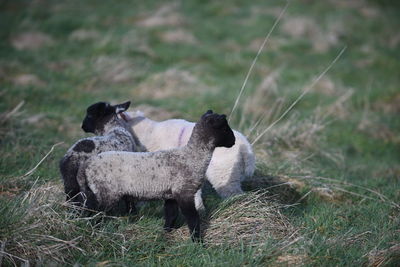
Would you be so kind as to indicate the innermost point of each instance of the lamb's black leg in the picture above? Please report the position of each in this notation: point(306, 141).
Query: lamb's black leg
point(170, 214)
point(130, 204)
point(91, 202)
point(188, 210)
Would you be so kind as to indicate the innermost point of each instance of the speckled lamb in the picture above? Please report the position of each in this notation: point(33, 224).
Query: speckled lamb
point(228, 166)
point(173, 175)
point(112, 134)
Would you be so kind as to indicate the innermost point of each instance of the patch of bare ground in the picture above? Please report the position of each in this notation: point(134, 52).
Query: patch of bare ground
point(28, 80)
point(388, 106)
point(273, 44)
point(31, 40)
point(304, 27)
point(384, 257)
point(84, 35)
point(178, 36)
point(135, 41)
point(116, 70)
point(171, 83)
point(166, 15)
point(373, 127)
point(155, 113)
point(291, 260)
point(325, 86)
point(370, 12)
point(34, 119)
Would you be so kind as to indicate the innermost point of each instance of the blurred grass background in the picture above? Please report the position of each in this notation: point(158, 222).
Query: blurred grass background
point(337, 150)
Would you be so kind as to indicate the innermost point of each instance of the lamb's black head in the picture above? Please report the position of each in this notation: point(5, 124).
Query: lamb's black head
point(98, 114)
point(215, 127)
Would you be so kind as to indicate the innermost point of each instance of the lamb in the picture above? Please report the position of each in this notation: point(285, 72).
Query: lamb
point(174, 175)
point(228, 166)
point(112, 134)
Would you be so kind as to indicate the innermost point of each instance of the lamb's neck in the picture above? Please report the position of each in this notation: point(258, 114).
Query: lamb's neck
point(113, 126)
point(200, 140)
point(198, 157)
point(200, 151)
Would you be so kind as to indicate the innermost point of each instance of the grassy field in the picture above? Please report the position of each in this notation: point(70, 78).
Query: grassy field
point(327, 187)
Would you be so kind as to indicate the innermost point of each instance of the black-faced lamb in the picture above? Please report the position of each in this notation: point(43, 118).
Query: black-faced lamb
point(228, 166)
point(174, 175)
point(112, 134)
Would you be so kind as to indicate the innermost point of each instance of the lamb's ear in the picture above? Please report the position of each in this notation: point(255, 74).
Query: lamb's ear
point(207, 113)
point(122, 107)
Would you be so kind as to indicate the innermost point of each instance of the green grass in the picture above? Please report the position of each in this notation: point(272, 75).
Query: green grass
point(355, 142)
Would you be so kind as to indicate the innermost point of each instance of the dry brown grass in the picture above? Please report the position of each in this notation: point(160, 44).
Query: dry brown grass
point(84, 35)
point(31, 40)
point(35, 237)
point(171, 83)
point(32, 237)
point(165, 15)
point(384, 257)
point(116, 69)
point(304, 27)
point(178, 36)
point(253, 219)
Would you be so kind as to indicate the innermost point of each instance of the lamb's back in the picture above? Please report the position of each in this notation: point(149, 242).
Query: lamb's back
point(176, 132)
point(170, 134)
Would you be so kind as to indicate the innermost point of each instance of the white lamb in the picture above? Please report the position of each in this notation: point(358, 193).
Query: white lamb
point(228, 166)
point(174, 175)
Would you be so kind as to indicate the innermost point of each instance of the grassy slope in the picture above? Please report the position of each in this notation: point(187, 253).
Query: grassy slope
point(359, 145)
